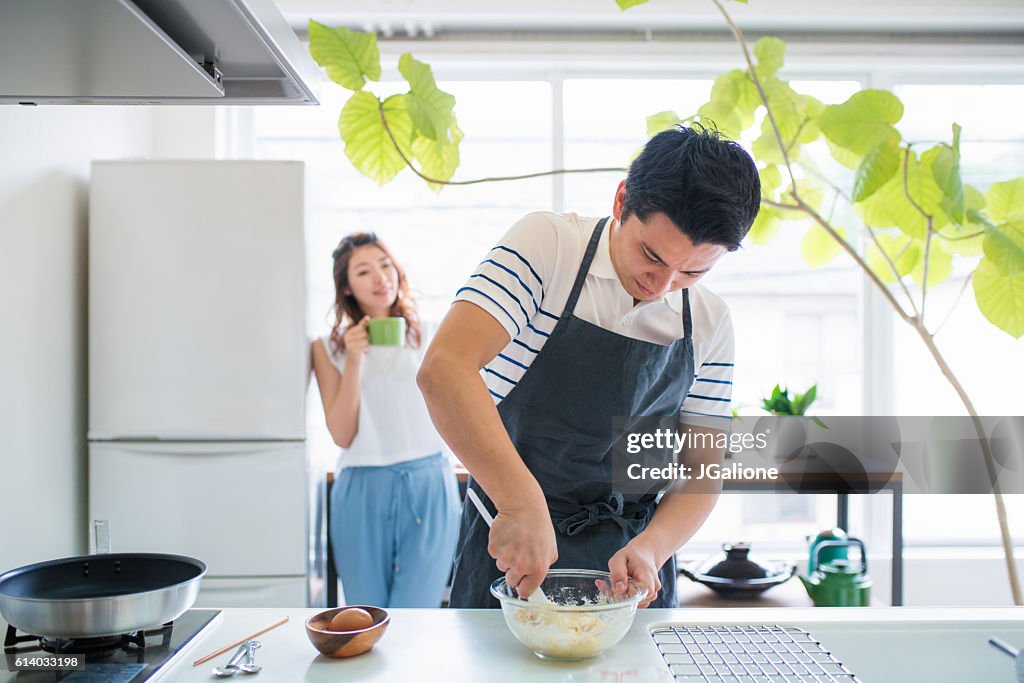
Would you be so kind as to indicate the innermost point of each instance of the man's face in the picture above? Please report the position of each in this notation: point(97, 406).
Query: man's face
point(653, 257)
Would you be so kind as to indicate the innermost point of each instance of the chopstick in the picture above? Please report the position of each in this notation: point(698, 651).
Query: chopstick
point(238, 642)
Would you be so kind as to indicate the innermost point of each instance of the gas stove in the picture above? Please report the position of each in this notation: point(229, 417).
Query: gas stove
point(128, 658)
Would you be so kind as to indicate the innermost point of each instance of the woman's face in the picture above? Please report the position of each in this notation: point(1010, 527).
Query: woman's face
point(372, 280)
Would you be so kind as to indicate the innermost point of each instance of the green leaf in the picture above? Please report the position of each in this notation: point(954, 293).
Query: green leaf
point(803, 402)
point(940, 266)
point(1004, 247)
point(430, 107)
point(1005, 200)
point(812, 108)
point(771, 179)
point(438, 160)
point(846, 157)
point(903, 251)
point(765, 226)
point(663, 120)
point(876, 169)
point(626, 4)
point(721, 116)
point(734, 91)
point(737, 87)
point(890, 206)
point(1000, 297)
point(946, 169)
point(818, 247)
point(770, 53)
point(924, 190)
point(765, 147)
point(812, 194)
point(787, 108)
point(972, 228)
point(367, 144)
point(863, 121)
point(350, 57)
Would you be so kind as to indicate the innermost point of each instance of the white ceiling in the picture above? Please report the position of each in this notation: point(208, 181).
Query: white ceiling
point(426, 17)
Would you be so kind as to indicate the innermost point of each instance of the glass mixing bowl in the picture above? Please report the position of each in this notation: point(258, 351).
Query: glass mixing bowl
point(583, 619)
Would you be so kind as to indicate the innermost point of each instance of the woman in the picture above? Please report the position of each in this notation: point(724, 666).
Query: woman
point(394, 504)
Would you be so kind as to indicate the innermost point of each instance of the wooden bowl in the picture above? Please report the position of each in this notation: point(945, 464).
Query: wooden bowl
point(346, 643)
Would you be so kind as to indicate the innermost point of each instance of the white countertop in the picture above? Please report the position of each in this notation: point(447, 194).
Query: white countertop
point(879, 644)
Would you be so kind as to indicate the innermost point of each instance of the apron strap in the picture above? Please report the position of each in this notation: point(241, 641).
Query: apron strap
point(581, 275)
point(687, 323)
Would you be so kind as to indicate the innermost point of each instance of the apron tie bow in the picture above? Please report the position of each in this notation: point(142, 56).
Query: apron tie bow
point(594, 513)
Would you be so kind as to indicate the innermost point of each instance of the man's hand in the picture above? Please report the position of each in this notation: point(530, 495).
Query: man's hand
point(636, 561)
point(522, 543)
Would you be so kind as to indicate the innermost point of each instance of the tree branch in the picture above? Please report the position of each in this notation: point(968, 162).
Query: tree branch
point(760, 91)
point(906, 185)
point(924, 273)
point(803, 207)
point(986, 451)
point(949, 314)
point(492, 179)
point(848, 248)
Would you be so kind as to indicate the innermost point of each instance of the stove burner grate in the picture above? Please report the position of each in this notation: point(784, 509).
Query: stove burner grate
point(92, 648)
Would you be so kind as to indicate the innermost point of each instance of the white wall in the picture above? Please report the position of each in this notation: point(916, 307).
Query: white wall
point(45, 153)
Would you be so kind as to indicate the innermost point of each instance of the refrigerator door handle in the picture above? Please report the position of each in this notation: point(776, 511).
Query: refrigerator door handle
point(199, 448)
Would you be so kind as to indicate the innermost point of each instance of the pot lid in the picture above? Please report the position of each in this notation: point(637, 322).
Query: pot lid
point(739, 567)
point(737, 564)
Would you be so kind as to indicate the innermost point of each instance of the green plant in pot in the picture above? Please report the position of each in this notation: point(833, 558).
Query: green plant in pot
point(780, 402)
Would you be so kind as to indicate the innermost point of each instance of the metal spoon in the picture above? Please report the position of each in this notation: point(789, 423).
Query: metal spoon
point(250, 666)
point(537, 597)
point(231, 668)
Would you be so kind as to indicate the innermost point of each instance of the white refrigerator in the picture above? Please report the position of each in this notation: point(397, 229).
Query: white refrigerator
point(198, 368)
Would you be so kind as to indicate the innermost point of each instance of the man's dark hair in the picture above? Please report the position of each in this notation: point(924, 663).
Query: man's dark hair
point(704, 183)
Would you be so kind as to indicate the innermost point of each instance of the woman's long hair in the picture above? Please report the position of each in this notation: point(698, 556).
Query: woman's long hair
point(347, 310)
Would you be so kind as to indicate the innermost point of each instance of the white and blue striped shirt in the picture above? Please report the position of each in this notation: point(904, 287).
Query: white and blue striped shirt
point(525, 280)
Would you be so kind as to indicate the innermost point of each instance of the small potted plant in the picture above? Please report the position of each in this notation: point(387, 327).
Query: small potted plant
point(780, 403)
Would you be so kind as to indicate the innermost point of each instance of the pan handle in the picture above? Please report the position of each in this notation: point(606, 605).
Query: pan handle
point(101, 532)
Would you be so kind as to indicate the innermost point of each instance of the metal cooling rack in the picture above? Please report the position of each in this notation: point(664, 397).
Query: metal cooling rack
point(747, 654)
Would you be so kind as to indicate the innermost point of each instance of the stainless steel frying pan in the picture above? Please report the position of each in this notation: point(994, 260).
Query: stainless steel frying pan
point(99, 595)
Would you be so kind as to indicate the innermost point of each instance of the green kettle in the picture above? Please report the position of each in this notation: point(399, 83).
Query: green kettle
point(839, 583)
point(837, 551)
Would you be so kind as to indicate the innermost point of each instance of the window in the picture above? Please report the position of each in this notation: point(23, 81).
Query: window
point(794, 325)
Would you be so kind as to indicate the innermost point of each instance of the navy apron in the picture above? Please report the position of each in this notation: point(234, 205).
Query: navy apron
point(560, 418)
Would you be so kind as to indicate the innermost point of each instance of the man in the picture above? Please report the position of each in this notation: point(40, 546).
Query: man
point(575, 322)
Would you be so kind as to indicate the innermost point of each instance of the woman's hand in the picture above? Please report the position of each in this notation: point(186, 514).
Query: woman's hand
point(356, 340)
point(638, 562)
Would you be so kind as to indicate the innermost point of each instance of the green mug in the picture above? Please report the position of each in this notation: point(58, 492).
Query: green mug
point(386, 331)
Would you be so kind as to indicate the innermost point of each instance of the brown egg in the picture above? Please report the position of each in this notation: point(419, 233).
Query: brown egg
point(351, 619)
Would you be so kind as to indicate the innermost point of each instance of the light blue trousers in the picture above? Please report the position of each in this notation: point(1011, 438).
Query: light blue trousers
point(393, 530)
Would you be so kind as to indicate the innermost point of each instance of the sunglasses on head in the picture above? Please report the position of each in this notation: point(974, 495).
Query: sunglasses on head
point(352, 241)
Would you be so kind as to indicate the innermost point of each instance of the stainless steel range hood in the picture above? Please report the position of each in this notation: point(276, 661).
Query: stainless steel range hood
point(151, 52)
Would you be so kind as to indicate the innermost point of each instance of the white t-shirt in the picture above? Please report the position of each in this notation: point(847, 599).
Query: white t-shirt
point(525, 281)
point(394, 425)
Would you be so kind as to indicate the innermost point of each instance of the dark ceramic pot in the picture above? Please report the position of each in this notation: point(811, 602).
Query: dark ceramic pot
point(738, 576)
